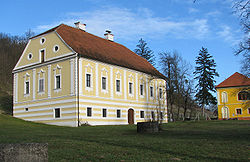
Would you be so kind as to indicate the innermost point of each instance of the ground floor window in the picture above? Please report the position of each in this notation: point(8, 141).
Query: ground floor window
point(238, 111)
point(89, 111)
point(118, 113)
point(153, 115)
point(248, 110)
point(141, 114)
point(104, 112)
point(57, 113)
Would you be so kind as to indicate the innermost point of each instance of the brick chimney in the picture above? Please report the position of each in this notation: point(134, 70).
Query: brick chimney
point(109, 36)
point(80, 26)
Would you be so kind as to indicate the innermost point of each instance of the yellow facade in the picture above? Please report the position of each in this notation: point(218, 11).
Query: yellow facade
point(63, 88)
point(229, 102)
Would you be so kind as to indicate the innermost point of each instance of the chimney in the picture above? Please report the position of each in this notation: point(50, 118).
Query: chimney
point(109, 36)
point(80, 26)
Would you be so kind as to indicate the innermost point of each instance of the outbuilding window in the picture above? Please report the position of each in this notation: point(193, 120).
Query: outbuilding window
point(243, 95)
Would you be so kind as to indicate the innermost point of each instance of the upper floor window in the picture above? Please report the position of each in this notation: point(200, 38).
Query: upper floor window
point(42, 55)
point(58, 82)
point(88, 80)
point(29, 56)
point(130, 88)
point(118, 86)
point(41, 85)
point(239, 111)
point(141, 114)
point(27, 87)
point(42, 40)
point(224, 97)
point(243, 95)
point(104, 83)
point(151, 91)
point(141, 89)
point(56, 48)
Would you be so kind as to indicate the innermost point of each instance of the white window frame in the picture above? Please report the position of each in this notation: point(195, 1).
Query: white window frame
point(120, 87)
point(60, 112)
point(54, 50)
point(91, 77)
point(132, 88)
point(151, 96)
point(143, 114)
point(56, 81)
point(30, 54)
point(104, 73)
point(40, 55)
point(118, 78)
point(41, 75)
point(224, 97)
point(26, 79)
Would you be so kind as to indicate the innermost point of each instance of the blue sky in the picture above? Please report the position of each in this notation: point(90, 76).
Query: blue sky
point(166, 25)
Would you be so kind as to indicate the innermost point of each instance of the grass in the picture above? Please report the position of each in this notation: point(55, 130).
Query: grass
point(185, 141)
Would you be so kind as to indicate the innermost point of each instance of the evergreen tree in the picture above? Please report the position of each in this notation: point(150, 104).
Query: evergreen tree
point(144, 51)
point(205, 72)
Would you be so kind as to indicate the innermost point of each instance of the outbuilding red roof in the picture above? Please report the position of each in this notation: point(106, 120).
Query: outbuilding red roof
point(235, 80)
point(97, 48)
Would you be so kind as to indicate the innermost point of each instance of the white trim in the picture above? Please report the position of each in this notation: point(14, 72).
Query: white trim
point(223, 114)
point(55, 75)
point(218, 98)
point(43, 38)
point(16, 88)
point(91, 77)
point(132, 89)
point(136, 85)
point(125, 84)
point(55, 113)
point(24, 51)
point(104, 73)
point(224, 98)
point(60, 56)
point(72, 76)
point(111, 82)
point(156, 88)
point(34, 84)
point(96, 80)
point(54, 48)
point(40, 59)
point(28, 56)
point(26, 79)
point(49, 81)
point(76, 77)
point(38, 64)
point(41, 75)
point(146, 89)
point(80, 77)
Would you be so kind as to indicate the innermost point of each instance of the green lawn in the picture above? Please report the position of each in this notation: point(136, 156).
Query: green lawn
point(185, 141)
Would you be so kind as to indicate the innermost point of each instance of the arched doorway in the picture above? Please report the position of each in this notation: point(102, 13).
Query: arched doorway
point(130, 116)
point(225, 112)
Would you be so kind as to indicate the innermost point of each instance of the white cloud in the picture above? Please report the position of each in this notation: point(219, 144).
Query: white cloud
point(228, 35)
point(193, 10)
point(129, 25)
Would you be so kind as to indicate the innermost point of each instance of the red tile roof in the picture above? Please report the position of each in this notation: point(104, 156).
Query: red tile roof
point(97, 48)
point(235, 80)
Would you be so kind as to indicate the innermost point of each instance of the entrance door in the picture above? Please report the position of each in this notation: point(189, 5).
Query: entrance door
point(130, 116)
point(225, 113)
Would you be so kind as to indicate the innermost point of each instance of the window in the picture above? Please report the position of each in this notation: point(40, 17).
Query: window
point(89, 111)
point(224, 97)
point(141, 89)
point(104, 112)
point(160, 92)
point(42, 41)
point(248, 110)
point(243, 95)
point(130, 88)
point(26, 109)
point(151, 91)
point(88, 79)
point(161, 115)
point(27, 87)
point(118, 84)
point(238, 111)
point(42, 53)
point(58, 82)
point(104, 83)
point(56, 48)
point(57, 113)
point(41, 85)
point(153, 115)
point(118, 113)
point(30, 56)
point(141, 114)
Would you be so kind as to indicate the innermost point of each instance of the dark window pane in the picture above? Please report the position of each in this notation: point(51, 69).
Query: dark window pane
point(27, 85)
point(104, 83)
point(118, 85)
point(118, 113)
point(130, 88)
point(104, 112)
point(88, 80)
point(57, 113)
point(89, 111)
point(141, 89)
point(58, 82)
point(142, 114)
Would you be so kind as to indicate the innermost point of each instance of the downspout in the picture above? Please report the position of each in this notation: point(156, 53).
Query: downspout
point(78, 102)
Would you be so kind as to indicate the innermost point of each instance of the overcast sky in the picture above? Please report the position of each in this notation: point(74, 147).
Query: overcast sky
point(166, 25)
